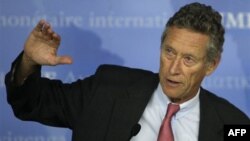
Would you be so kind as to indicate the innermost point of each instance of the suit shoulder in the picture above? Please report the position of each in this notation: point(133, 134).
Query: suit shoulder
point(120, 76)
point(228, 112)
point(116, 70)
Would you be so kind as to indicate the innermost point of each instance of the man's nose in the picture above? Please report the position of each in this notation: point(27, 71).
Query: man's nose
point(175, 67)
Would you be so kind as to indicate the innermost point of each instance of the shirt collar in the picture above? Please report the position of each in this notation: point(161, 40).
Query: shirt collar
point(184, 107)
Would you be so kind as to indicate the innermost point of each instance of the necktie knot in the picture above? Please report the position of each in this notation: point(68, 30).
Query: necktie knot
point(172, 109)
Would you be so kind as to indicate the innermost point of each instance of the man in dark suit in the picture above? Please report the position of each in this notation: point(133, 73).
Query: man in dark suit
point(119, 103)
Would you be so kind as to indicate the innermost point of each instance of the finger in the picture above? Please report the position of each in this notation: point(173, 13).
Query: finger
point(56, 38)
point(49, 34)
point(64, 60)
point(40, 25)
point(46, 27)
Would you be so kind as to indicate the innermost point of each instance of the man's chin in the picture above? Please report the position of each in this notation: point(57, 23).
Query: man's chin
point(175, 99)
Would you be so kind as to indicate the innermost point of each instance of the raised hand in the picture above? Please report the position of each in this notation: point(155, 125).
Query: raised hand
point(40, 49)
point(41, 46)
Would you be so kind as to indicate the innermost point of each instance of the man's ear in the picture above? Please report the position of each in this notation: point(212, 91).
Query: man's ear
point(211, 66)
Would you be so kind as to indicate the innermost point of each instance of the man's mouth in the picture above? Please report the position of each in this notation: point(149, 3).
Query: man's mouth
point(173, 83)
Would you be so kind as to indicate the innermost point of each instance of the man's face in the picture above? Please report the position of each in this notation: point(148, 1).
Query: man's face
point(183, 63)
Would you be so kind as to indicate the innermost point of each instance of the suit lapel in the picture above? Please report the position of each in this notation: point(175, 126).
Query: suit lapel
point(128, 110)
point(211, 129)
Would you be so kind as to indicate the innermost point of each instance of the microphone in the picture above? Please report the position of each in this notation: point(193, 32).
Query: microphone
point(135, 130)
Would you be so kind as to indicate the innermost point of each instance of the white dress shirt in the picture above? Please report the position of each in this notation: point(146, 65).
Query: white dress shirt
point(185, 123)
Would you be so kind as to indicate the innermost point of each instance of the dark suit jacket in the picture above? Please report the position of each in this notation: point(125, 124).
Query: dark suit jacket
point(108, 105)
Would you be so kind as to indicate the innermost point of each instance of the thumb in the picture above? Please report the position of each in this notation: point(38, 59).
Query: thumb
point(64, 60)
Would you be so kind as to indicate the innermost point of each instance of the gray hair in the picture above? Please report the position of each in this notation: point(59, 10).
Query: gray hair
point(203, 19)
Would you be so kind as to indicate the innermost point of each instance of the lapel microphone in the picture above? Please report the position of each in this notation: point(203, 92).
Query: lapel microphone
point(135, 130)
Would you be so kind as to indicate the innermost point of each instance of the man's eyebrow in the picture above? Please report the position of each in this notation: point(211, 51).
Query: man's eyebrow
point(167, 45)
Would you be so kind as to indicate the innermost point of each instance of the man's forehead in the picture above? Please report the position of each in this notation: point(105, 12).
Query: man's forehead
point(186, 37)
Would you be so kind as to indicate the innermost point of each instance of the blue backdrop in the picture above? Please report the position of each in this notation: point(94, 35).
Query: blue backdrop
point(124, 32)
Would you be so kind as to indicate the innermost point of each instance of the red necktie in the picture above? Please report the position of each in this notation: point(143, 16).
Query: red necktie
point(166, 133)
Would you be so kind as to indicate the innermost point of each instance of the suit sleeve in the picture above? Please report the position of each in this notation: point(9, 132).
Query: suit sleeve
point(49, 102)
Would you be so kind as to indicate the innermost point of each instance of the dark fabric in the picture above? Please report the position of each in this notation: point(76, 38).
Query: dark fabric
point(107, 105)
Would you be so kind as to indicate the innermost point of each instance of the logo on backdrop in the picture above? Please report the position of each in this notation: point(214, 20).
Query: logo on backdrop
point(92, 20)
point(239, 20)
